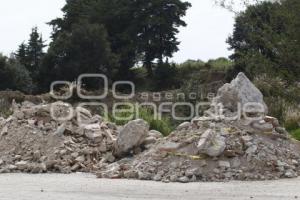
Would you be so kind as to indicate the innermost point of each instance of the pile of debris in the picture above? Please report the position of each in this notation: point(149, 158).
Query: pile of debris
point(32, 141)
point(218, 149)
point(35, 140)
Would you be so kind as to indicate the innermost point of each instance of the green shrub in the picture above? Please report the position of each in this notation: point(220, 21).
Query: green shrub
point(296, 134)
point(281, 97)
point(165, 76)
point(14, 76)
point(292, 124)
point(164, 125)
point(220, 64)
point(5, 110)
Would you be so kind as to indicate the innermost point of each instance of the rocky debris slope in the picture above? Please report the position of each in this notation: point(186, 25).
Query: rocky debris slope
point(217, 149)
point(32, 141)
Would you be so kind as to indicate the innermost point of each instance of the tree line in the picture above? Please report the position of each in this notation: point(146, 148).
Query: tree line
point(114, 37)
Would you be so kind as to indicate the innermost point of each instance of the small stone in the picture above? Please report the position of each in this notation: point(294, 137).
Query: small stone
point(265, 127)
point(192, 172)
point(109, 157)
point(247, 138)
point(80, 159)
point(272, 120)
point(22, 165)
point(38, 168)
point(224, 164)
point(144, 176)
point(75, 155)
point(131, 174)
point(157, 177)
point(236, 163)
point(184, 179)
point(156, 134)
point(173, 178)
point(184, 125)
point(4, 131)
point(251, 150)
point(60, 130)
point(19, 115)
point(4, 171)
point(150, 140)
point(290, 174)
point(37, 155)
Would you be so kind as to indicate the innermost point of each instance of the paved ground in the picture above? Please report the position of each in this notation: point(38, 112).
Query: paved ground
point(87, 187)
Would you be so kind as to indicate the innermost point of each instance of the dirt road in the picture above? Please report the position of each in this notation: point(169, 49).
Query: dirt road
point(87, 187)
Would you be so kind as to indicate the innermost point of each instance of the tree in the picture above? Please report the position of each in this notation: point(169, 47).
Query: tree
point(14, 75)
point(83, 49)
point(137, 30)
point(266, 40)
point(237, 6)
point(115, 16)
point(30, 55)
point(34, 51)
point(21, 54)
point(157, 26)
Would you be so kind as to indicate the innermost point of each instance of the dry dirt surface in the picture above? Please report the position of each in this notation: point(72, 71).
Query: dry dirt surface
point(85, 186)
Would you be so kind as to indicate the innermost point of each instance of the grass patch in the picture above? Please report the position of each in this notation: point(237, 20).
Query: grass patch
point(164, 125)
point(5, 110)
point(296, 134)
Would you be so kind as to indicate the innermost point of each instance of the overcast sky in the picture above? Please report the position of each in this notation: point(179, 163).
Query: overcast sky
point(204, 38)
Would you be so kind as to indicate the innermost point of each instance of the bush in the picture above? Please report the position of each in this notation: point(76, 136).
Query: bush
point(165, 76)
point(292, 124)
point(164, 125)
point(296, 134)
point(14, 76)
point(220, 64)
point(5, 108)
point(282, 98)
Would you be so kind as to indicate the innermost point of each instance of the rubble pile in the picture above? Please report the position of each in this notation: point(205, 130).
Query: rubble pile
point(218, 149)
point(35, 139)
point(32, 141)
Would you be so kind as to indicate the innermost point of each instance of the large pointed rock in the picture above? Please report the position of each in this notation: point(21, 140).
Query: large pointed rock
point(240, 90)
point(132, 135)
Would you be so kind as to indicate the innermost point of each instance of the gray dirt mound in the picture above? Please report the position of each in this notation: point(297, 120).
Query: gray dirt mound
point(213, 152)
point(32, 141)
point(220, 148)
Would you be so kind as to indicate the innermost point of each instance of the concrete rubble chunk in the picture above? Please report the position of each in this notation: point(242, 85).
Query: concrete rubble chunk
point(211, 143)
point(132, 135)
point(240, 90)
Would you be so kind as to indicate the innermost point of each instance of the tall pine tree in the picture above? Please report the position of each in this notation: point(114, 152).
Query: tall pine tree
point(34, 51)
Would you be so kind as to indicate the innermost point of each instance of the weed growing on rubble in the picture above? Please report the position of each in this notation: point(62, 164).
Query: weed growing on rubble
point(165, 125)
point(5, 110)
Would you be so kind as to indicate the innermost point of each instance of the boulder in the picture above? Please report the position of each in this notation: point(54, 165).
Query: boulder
point(93, 132)
point(240, 90)
point(132, 135)
point(211, 143)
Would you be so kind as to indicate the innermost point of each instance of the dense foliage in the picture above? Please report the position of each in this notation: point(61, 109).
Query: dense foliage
point(266, 39)
point(137, 31)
